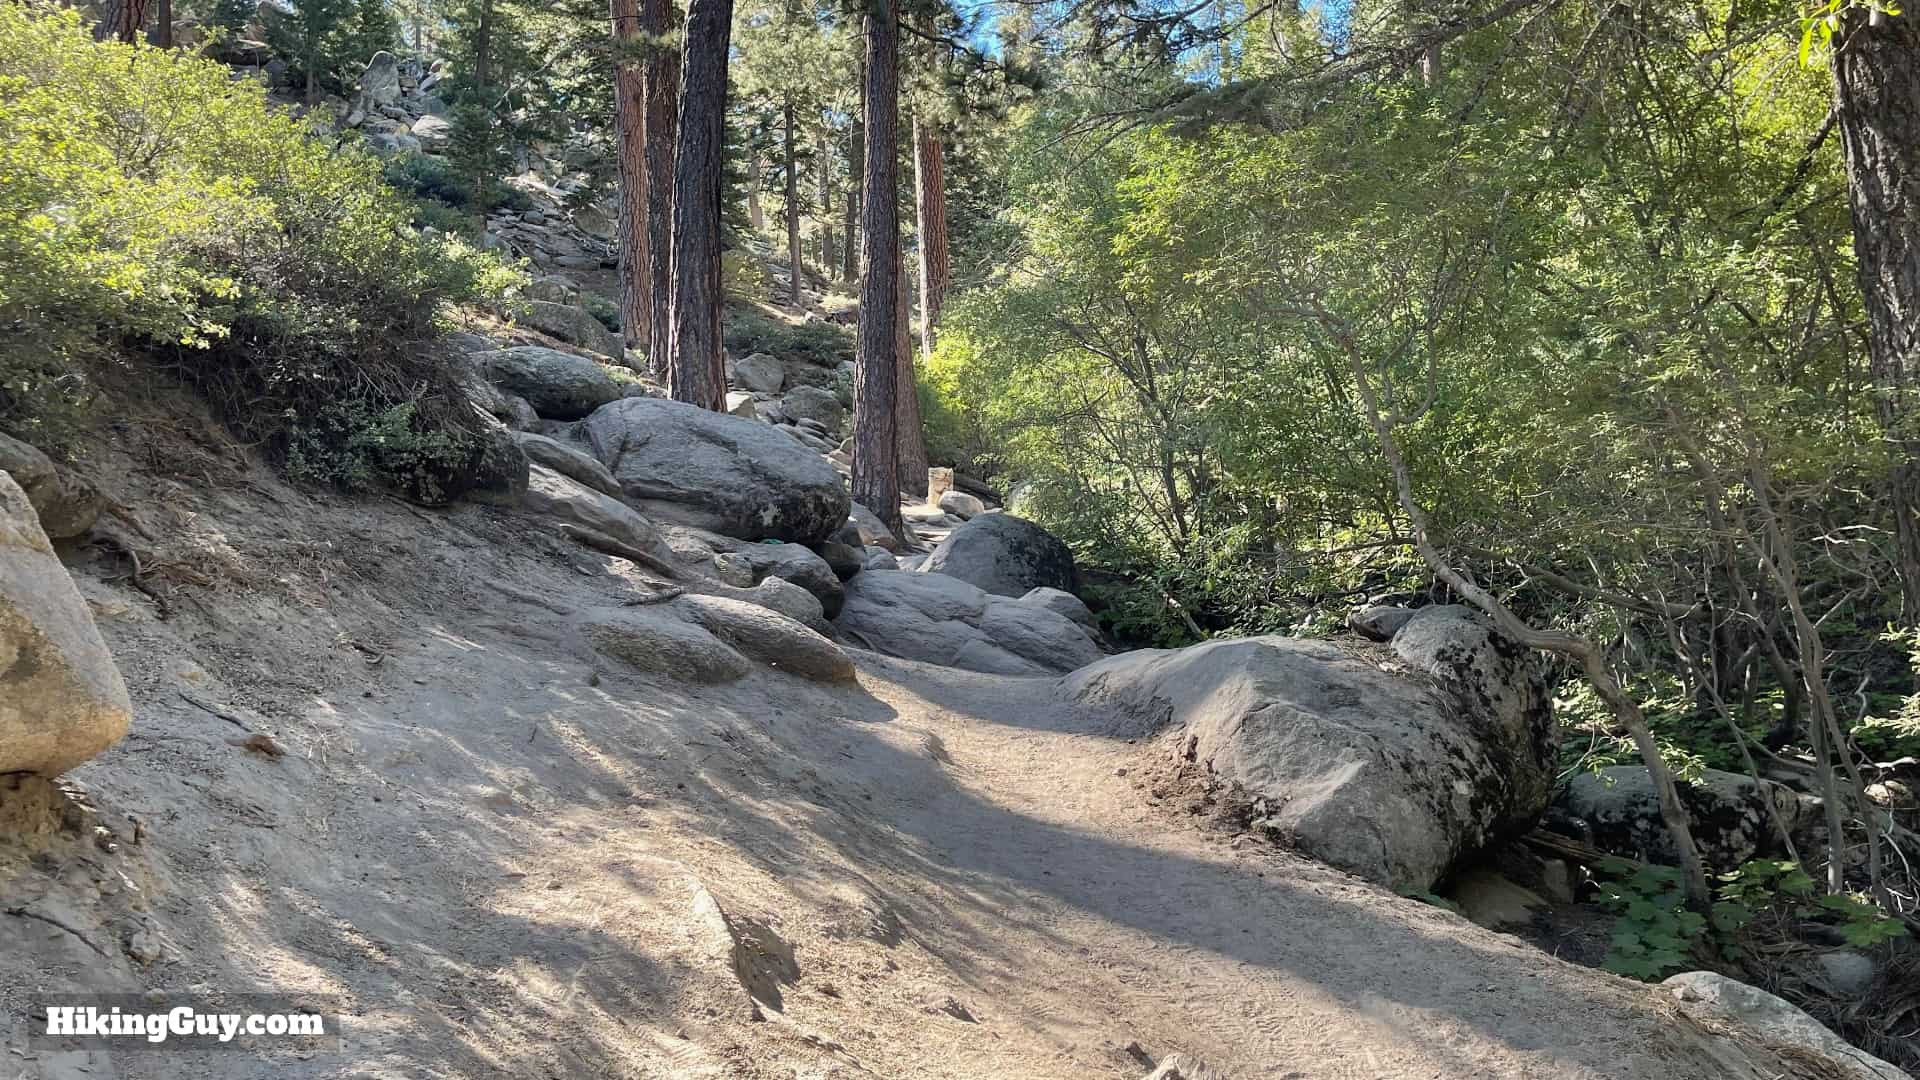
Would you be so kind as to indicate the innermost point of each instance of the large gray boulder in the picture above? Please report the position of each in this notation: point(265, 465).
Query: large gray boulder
point(67, 505)
point(1005, 555)
point(870, 529)
point(816, 404)
point(566, 500)
point(1060, 603)
point(575, 326)
point(761, 373)
point(62, 700)
point(1617, 809)
point(559, 386)
point(380, 83)
point(1775, 1021)
point(717, 472)
point(653, 641)
point(769, 637)
point(962, 505)
point(945, 621)
point(434, 133)
point(801, 566)
point(1390, 775)
point(1494, 682)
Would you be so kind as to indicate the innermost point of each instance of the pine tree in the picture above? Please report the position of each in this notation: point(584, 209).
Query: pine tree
point(876, 463)
point(695, 367)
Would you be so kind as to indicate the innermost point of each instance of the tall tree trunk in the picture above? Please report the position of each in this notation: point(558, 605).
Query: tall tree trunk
point(630, 128)
point(483, 46)
point(1876, 80)
point(826, 204)
point(120, 20)
point(876, 462)
point(856, 175)
point(906, 397)
point(929, 169)
point(796, 265)
point(756, 214)
point(694, 366)
point(163, 24)
point(663, 102)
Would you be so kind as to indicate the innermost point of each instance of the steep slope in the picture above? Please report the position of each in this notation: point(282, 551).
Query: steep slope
point(369, 769)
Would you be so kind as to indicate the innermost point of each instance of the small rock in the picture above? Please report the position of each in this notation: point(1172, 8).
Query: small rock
point(952, 1007)
point(144, 946)
point(1846, 972)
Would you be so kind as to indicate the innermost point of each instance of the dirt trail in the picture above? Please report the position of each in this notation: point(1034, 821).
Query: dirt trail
point(498, 863)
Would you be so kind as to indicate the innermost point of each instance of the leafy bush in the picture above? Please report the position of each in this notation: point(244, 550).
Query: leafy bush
point(603, 309)
point(149, 204)
point(751, 331)
point(427, 177)
point(1760, 903)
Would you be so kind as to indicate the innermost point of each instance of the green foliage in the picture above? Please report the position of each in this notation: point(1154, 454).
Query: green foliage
point(150, 203)
point(426, 176)
point(478, 150)
point(234, 14)
point(330, 40)
point(357, 447)
point(1656, 934)
point(602, 309)
point(750, 330)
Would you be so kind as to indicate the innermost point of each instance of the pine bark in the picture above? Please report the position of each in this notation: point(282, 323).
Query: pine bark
point(694, 365)
point(663, 102)
point(827, 250)
point(856, 175)
point(796, 264)
point(630, 133)
point(876, 463)
point(120, 20)
point(1876, 75)
point(929, 168)
point(908, 437)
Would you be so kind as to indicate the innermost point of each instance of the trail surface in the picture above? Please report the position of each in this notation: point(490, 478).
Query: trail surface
point(498, 858)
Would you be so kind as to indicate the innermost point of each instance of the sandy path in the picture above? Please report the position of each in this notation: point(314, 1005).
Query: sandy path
point(1090, 920)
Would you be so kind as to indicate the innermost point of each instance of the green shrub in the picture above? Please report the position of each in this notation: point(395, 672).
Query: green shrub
point(602, 309)
point(151, 205)
point(1755, 907)
point(427, 177)
point(752, 331)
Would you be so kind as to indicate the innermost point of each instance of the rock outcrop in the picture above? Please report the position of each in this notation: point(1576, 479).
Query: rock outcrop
point(717, 472)
point(1775, 1021)
point(1733, 817)
point(771, 638)
point(1005, 555)
point(66, 504)
point(62, 700)
point(1390, 774)
point(559, 386)
point(947, 621)
point(1060, 603)
point(570, 502)
point(573, 325)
